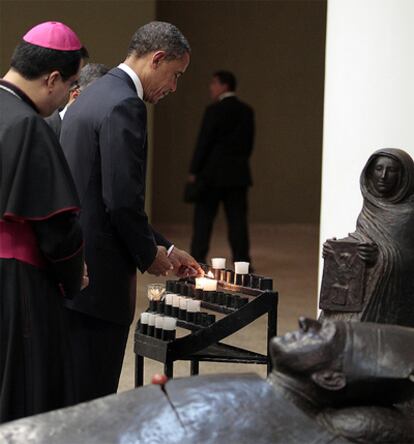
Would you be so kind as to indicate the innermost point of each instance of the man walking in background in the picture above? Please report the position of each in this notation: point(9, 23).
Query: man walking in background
point(220, 165)
point(104, 137)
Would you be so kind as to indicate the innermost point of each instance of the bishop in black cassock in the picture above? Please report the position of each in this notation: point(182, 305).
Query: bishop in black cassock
point(41, 248)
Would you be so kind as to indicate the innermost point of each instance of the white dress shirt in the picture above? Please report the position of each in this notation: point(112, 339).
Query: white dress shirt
point(227, 94)
point(134, 77)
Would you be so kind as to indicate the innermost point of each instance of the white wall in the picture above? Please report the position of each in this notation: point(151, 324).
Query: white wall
point(369, 99)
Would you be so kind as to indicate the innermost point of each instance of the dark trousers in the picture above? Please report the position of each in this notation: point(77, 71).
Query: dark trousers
point(98, 348)
point(235, 206)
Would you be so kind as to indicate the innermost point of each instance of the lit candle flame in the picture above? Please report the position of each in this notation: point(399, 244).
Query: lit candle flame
point(210, 274)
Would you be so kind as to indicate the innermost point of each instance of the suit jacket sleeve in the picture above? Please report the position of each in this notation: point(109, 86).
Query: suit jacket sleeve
point(204, 141)
point(161, 240)
point(122, 140)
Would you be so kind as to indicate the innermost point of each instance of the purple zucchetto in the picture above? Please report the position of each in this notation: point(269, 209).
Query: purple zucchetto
point(53, 35)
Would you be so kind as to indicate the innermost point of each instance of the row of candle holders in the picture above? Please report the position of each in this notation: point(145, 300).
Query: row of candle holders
point(220, 298)
point(229, 277)
point(176, 307)
point(182, 308)
point(229, 300)
point(158, 326)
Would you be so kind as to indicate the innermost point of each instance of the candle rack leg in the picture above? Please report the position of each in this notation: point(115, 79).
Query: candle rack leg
point(169, 369)
point(195, 364)
point(271, 332)
point(139, 370)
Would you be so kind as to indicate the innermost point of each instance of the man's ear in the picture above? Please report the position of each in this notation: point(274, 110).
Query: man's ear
point(329, 379)
point(52, 78)
point(157, 58)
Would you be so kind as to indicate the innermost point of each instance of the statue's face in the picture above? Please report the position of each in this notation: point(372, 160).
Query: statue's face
point(314, 346)
point(385, 175)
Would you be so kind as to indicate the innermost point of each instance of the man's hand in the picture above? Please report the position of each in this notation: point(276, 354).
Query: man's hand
point(161, 264)
point(184, 264)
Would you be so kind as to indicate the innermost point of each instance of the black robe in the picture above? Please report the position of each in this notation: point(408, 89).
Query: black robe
point(36, 189)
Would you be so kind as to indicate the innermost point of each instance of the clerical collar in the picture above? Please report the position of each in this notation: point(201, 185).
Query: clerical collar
point(227, 94)
point(13, 89)
point(134, 77)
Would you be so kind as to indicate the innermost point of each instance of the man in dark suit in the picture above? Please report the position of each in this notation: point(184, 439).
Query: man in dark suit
point(88, 74)
point(104, 137)
point(221, 165)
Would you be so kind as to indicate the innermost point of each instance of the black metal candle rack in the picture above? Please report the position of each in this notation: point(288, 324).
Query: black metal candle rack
point(241, 305)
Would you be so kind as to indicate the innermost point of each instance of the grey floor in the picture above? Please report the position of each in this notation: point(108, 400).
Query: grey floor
point(287, 253)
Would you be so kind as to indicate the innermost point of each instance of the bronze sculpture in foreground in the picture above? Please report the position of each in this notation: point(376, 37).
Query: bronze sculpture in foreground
point(335, 382)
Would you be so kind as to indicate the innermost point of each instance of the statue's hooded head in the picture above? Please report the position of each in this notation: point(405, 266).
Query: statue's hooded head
point(349, 361)
point(388, 176)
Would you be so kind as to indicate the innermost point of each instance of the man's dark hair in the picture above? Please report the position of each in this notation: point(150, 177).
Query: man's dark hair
point(32, 61)
point(156, 36)
point(227, 78)
point(91, 72)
